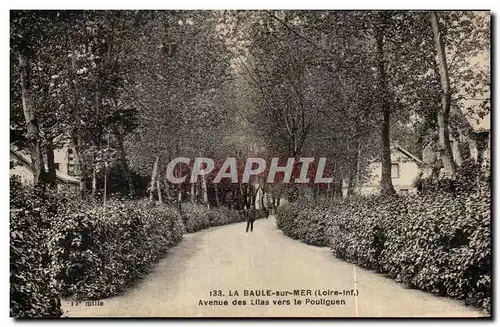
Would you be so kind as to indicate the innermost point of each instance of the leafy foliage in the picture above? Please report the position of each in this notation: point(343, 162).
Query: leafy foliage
point(197, 217)
point(97, 251)
point(33, 292)
point(223, 216)
point(91, 251)
point(470, 176)
point(436, 242)
point(306, 224)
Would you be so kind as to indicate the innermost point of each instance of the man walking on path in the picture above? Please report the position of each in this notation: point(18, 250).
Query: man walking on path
point(250, 218)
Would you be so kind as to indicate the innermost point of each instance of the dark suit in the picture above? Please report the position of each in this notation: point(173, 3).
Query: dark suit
point(250, 219)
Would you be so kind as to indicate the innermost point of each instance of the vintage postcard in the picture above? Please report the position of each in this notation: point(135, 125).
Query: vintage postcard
point(250, 163)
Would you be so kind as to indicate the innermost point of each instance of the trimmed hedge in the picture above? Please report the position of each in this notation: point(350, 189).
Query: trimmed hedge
point(97, 251)
point(33, 293)
point(436, 242)
point(304, 221)
point(222, 216)
point(197, 216)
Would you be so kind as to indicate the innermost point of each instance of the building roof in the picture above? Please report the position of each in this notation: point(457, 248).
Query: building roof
point(469, 121)
point(25, 158)
point(396, 146)
point(407, 153)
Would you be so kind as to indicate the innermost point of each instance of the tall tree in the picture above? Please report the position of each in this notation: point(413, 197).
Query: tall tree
point(443, 115)
point(25, 30)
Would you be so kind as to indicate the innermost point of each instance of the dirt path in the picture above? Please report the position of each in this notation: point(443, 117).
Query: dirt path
point(228, 259)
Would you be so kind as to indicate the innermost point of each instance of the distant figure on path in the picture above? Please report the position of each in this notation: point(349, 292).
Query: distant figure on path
point(250, 218)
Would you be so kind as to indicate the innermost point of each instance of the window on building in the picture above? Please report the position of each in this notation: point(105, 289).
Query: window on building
point(72, 170)
point(71, 156)
point(395, 170)
point(56, 165)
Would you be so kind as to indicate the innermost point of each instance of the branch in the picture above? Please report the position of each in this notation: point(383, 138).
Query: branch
point(298, 34)
point(264, 95)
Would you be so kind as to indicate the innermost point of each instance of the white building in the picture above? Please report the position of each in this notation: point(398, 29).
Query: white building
point(405, 168)
point(65, 163)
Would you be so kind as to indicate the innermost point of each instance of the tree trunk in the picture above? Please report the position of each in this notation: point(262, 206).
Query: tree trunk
point(154, 173)
point(197, 191)
point(216, 186)
point(192, 192)
point(97, 142)
point(32, 134)
point(358, 169)
point(168, 192)
point(51, 165)
point(243, 197)
point(386, 181)
point(350, 184)
point(337, 186)
point(179, 194)
point(204, 188)
point(482, 147)
point(254, 194)
point(444, 112)
point(83, 182)
point(76, 116)
point(353, 172)
point(273, 202)
point(456, 144)
point(80, 166)
point(94, 179)
point(180, 187)
point(179, 200)
point(124, 162)
point(249, 193)
point(105, 182)
point(158, 188)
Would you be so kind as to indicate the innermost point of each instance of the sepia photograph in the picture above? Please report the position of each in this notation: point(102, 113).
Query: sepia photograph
point(250, 164)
